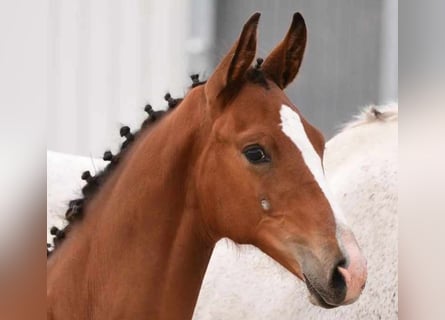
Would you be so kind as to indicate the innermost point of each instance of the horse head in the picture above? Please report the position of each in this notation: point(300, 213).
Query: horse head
point(260, 173)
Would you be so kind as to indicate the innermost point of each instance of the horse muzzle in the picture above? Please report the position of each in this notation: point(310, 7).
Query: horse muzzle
point(343, 281)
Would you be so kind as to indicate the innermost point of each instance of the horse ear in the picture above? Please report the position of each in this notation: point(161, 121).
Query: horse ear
point(237, 61)
point(284, 61)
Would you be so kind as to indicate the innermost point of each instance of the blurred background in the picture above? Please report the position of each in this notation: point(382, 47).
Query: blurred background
point(108, 58)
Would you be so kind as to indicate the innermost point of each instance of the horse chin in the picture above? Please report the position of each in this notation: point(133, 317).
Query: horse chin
point(315, 298)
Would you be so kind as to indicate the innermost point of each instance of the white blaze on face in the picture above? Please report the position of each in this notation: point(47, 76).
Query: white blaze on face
point(293, 128)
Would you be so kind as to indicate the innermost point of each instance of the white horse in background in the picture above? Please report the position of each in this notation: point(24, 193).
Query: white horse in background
point(243, 283)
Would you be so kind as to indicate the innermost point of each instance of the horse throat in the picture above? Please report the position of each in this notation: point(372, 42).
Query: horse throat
point(139, 252)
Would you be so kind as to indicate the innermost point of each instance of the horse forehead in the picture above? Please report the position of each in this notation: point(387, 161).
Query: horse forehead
point(253, 93)
point(294, 126)
point(258, 105)
point(293, 129)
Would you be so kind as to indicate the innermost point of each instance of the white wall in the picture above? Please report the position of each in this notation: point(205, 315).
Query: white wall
point(107, 59)
point(22, 100)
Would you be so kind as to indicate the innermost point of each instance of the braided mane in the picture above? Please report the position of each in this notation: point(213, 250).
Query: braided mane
point(76, 207)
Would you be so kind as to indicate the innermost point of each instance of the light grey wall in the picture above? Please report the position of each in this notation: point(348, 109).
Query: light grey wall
point(351, 56)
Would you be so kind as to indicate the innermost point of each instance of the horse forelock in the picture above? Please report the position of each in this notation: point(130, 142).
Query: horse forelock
point(253, 75)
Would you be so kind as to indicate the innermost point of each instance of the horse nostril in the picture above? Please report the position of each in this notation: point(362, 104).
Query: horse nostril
point(341, 263)
point(337, 280)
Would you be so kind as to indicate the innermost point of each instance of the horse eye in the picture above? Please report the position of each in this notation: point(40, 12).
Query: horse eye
point(256, 154)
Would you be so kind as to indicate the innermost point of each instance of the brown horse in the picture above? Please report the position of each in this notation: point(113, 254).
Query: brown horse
point(234, 159)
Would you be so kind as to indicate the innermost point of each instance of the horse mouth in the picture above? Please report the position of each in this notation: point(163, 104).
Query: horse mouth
point(315, 297)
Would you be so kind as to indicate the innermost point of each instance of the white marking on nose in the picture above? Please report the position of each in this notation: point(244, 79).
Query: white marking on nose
point(293, 128)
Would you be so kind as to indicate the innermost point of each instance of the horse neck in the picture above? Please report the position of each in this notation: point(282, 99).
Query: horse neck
point(140, 251)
